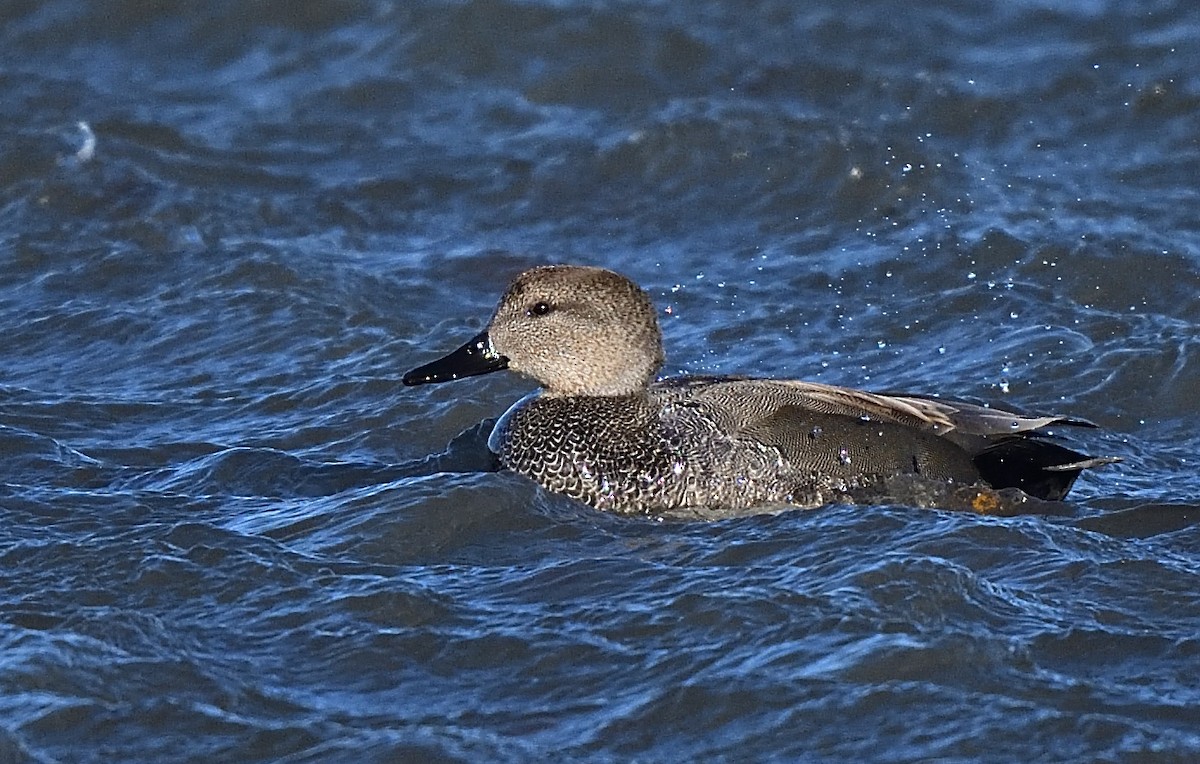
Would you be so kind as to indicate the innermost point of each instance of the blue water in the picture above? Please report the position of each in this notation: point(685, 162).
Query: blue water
point(228, 532)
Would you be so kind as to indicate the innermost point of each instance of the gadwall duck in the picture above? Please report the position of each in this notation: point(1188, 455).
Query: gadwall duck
point(604, 431)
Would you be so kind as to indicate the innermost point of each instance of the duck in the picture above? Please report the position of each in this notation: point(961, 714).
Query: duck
point(604, 429)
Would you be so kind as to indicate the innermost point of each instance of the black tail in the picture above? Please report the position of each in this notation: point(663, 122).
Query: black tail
point(1038, 467)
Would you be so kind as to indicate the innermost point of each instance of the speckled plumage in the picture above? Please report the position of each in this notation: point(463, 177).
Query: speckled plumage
point(602, 431)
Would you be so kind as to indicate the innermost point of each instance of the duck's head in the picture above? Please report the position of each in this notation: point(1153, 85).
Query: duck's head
point(576, 330)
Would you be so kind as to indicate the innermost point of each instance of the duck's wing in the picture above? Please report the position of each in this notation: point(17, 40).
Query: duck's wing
point(748, 399)
point(973, 419)
point(840, 431)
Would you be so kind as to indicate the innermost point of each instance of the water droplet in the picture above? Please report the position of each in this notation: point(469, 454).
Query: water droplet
point(87, 149)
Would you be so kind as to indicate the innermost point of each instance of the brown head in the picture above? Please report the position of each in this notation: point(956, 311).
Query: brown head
point(577, 330)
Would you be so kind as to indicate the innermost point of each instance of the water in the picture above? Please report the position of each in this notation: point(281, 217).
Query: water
point(228, 533)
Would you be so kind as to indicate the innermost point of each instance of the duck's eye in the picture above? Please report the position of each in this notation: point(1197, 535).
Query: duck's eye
point(540, 308)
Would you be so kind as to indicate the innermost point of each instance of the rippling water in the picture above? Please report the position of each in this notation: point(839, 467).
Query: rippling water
point(227, 228)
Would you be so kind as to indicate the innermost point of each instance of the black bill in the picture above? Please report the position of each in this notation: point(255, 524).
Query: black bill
point(476, 357)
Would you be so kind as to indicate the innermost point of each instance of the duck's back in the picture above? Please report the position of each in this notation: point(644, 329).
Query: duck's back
point(829, 442)
point(842, 435)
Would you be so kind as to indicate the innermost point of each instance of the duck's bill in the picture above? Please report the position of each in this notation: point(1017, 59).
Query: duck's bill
point(476, 357)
